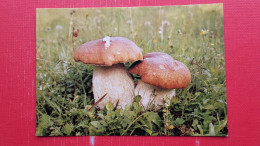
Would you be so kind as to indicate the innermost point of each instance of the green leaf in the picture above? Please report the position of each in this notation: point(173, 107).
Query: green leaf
point(96, 124)
point(45, 122)
point(154, 117)
point(148, 131)
point(221, 126)
point(67, 129)
point(179, 121)
point(200, 129)
point(78, 134)
point(101, 115)
point(137, 98)
point(195, 123)
point(94, 131)
point(175, 100)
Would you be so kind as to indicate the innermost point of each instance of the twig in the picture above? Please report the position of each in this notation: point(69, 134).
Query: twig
point(97, 102)
point(195, 63)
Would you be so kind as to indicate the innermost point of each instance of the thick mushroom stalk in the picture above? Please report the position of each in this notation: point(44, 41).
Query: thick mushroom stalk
point(110, 77)
point(152, 96)
point(160, 75)
point(116, 82)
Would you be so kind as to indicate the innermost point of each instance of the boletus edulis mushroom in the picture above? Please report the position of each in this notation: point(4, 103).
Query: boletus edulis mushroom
point(160, 76)
point(110, 77)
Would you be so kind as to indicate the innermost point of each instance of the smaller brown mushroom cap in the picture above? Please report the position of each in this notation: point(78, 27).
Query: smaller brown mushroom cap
point(160, 69)
point(114, 50)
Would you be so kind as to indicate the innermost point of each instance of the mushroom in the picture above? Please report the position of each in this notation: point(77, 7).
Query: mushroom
point(110, 77)
point(160, 76)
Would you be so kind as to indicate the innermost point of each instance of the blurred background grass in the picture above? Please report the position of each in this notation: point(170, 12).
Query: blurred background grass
point(190, 34)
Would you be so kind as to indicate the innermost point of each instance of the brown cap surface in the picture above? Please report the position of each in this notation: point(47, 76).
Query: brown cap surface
point(120, 50)
point(162, 70)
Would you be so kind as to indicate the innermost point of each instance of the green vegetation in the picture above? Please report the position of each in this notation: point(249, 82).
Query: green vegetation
point(190, 34)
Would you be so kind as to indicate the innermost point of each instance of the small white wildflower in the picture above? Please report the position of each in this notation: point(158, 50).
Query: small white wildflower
point(62, 54)
point(129, 22)
point(161, 28)
point(165, 23)
point(65, 64)
point(58, 27)
point(107, 39)
point(179, 32)
point(41, 76)
point(47, 84)
point(220, 101)
point(204, 32)
point(115, 29)
point(167, 101)
point(40, 87)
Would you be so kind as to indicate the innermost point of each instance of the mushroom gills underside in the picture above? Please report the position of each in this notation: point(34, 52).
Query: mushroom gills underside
point(152, 96)
point(116, 82)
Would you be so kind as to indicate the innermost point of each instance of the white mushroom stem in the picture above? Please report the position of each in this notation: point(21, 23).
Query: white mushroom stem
point(153, 96)
point(116, 82)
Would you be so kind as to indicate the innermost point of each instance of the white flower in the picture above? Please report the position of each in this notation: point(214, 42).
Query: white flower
point(129, 21)
point(161, 28)
point(165, 23)
point(179, 32)
point(47, 84)
point(62, 54)
point(41, 76)
point(204, 32)
point(58, 27)
point(107, 39)
point(167, 101)
point(115, 30)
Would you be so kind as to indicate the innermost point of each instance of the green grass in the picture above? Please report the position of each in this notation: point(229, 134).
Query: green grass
point(64, 87)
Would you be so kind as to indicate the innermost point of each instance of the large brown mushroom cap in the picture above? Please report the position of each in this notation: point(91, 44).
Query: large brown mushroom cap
point(120, 50)
point(160, 69)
